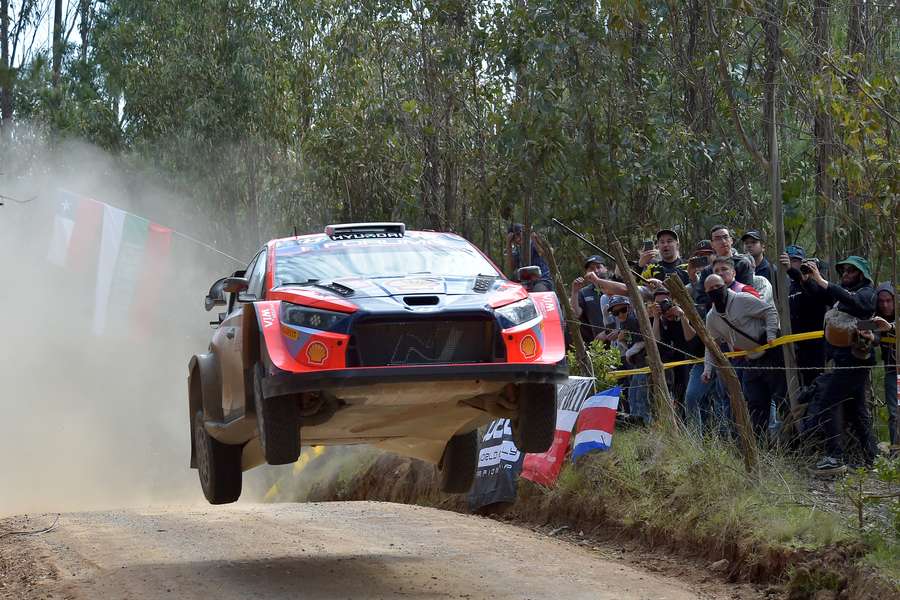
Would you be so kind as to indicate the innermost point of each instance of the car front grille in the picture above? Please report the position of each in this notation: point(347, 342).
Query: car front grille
point(387, 342)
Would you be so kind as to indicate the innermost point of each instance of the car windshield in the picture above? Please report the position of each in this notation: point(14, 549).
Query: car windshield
point(321, 259)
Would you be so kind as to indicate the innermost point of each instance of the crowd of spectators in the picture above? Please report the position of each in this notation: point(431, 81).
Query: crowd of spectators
point(735, 293)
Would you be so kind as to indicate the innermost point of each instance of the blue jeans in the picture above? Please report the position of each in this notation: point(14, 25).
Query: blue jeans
point(638, 397)
point(890, 398)
point(698, 398)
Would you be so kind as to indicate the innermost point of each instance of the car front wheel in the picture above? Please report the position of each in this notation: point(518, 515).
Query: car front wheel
point(535, 425)
point(277, 421)
point(457, 466)
point(218, 464)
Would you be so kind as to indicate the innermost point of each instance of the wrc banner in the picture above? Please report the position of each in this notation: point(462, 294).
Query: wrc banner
point(544, 468)
point(499, 465)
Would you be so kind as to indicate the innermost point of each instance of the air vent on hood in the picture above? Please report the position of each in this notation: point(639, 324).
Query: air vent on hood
point(483, 283)
point(337, 288)
point(421, 300)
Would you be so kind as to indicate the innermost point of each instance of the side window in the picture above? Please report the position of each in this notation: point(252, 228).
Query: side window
point(257, 276)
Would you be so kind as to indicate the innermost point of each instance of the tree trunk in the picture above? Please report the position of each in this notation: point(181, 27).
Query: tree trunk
point(662, 400)
point(57, 40)
point(6, 78)
point(857, 44)
point(823, 132)
point(84, 26)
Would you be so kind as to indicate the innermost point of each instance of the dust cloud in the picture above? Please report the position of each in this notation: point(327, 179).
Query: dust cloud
point(91, 421)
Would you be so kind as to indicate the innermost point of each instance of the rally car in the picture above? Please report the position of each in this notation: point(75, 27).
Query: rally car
point(371, 334)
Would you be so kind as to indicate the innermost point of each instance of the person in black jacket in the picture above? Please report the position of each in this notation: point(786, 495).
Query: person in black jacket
point(808, 307)
point(845, 393)
point(755, 245)
point(885, 298)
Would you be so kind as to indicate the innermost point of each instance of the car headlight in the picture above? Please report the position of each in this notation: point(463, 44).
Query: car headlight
point(516, 313)
point(312, 318)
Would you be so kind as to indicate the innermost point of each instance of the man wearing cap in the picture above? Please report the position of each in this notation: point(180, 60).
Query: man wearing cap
point(665, 259)
point(808, 306)
point(755, 245)
point(589, 304)
point(845, 392)
point(673, 330)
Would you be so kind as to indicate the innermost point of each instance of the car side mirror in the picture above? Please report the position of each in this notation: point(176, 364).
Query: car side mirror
point(234, 285)
point(529, 273)
point(216, 295)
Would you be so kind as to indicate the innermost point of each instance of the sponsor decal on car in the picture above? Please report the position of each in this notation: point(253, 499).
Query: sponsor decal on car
point(317, 353)
point(290, 333)
point(268, 317)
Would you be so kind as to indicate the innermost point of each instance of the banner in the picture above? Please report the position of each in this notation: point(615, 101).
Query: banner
point(499, 465)
point(544, 468)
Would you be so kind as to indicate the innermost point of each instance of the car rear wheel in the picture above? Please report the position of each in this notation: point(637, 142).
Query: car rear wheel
point(535, 425)
point(218, 464)
point(277, 420)
point(457, 466)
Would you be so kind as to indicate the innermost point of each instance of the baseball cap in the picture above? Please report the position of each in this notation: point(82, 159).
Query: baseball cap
point(619, 301)
point(794, 251)
point(704, 247)
point(515, 228)
point(661, 291)
point(753, 234)
point(596, 258)
point(669, 231)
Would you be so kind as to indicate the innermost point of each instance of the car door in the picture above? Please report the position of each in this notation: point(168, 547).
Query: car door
point(233, 380)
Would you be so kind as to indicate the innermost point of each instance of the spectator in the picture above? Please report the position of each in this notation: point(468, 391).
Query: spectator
point(671, 329)
point(744, 322)
point(634, 356)
point(723, 266)
point(755, 245)
point(513, 243)
point(808, 309)
point(845, 393)
point(885, 298)
point(665, 260)
point(721, 243)
point(699, 260)
point(589, 304)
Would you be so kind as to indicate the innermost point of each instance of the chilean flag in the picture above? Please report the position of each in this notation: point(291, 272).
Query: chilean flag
point(596, 422)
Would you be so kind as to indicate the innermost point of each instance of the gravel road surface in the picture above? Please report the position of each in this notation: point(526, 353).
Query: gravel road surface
point(315, 551)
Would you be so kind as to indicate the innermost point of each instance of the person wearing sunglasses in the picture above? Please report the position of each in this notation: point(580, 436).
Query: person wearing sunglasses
point(631, 345)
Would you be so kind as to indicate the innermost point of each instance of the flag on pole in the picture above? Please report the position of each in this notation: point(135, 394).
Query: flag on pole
point(596, 421)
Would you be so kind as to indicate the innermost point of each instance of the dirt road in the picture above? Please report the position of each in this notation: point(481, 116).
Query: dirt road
point(334, 550)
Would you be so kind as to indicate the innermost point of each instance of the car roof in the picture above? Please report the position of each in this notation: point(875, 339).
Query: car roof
point(313, 238)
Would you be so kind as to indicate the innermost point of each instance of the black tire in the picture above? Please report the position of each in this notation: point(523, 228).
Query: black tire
point(535, 425)
point(278, 424)
point(218, 464)
point(458, 464)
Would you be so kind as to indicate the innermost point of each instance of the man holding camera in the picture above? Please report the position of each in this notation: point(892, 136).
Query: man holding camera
point(808, 308)
point(849, 344)
point(677, 339)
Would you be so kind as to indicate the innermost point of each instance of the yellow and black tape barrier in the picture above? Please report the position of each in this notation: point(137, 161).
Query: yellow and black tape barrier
point(785, 339)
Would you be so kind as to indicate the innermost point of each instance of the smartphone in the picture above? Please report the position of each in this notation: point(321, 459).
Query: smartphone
point(866, 325)
point(648, 245)
point(698, 262)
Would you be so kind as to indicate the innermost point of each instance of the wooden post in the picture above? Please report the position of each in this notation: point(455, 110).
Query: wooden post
point(725, 370)
point(782, 285)
point(581, 354)
point(662, 401)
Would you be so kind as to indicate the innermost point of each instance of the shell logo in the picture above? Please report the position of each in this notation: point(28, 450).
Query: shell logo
point(528, 346)
point(316, 353)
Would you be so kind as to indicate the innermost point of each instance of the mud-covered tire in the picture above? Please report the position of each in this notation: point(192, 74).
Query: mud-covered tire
point(458, 464)
point(535, 424)
point(218, 465)
point(278, 422)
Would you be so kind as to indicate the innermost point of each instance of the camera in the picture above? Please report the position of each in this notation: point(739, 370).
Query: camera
point(698, 262)
point(665, 306)
point(804, 268)
point(648, 245)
